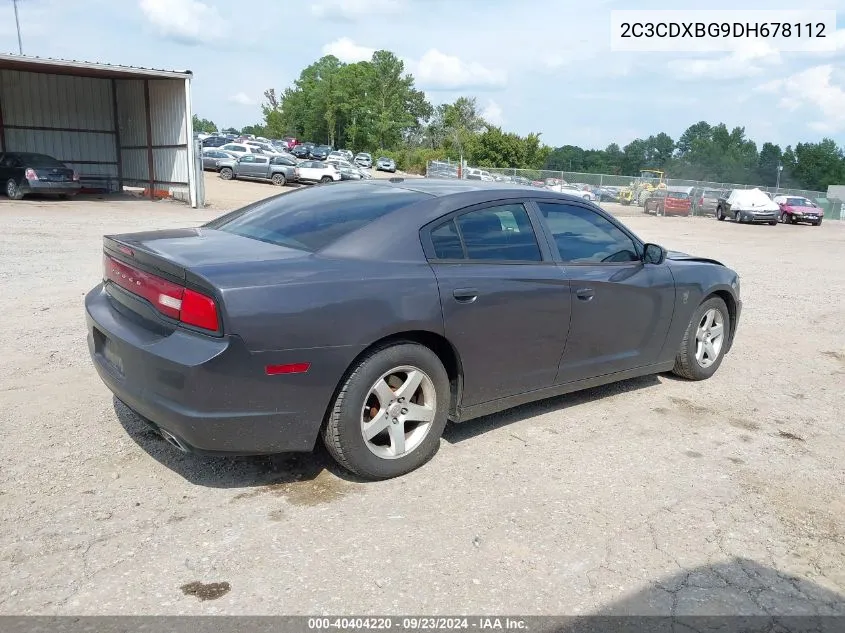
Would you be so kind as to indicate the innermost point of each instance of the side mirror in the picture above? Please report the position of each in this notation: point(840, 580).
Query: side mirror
point(653, 254)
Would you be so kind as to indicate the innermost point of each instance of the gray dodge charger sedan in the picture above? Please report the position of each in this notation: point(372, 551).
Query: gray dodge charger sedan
point(372, 312)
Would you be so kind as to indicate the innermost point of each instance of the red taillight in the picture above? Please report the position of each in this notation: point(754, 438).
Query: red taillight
point(171, 299)
point(199, 310)
point(30, 174)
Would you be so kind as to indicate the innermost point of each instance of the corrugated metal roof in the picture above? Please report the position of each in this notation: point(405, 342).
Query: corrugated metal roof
point(86, 69)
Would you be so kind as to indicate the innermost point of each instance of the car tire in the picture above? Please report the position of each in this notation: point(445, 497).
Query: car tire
point(738, 217)
point(325, 179)
point(773, 223)
point(344, 431)
point(279, 180)
point(720, 214)
point(227, 173)
point(818, 222)
point(13, 192)
point(691, 362)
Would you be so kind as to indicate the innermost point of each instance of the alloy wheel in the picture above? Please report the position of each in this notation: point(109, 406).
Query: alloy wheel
point(398, 412)
point(709, 337)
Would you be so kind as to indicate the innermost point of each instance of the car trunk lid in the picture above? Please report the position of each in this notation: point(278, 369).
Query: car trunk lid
point(53, 174)
point(160, 276)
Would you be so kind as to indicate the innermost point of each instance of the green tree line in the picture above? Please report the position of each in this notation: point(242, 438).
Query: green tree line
point(374, 106)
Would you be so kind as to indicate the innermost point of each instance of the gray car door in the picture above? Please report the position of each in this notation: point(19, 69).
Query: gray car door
point(505, 302)
point(621, 307)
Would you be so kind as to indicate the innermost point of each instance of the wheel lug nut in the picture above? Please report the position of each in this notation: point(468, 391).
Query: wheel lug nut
point(395, 420)
point(404, 411)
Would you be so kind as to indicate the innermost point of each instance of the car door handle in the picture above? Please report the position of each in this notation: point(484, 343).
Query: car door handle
point(585, 294)
point(465, 295)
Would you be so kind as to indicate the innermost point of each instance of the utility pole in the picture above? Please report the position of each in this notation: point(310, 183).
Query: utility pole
point(18, 24)
point(777, 185)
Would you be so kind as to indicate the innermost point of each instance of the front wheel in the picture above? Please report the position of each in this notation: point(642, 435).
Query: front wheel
point(390, 412)
point(279, 180)
point(326, 179)
point(738, 217)
point(226, 173)
point(818, 222)
point(774, 223)
point(705, 341)
point(720, 214)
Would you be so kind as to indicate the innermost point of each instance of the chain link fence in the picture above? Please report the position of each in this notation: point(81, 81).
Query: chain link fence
point(607, 186)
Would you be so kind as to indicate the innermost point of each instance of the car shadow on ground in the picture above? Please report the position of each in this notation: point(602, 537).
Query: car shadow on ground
point(230, 472)
point(269, 470)
point(456, 433)
point(733, 595)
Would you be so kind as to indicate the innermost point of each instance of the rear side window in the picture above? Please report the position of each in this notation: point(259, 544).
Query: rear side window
point(312, 219)
point(495, 233)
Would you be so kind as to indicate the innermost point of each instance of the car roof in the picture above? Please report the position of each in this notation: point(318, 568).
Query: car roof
point(389, 237)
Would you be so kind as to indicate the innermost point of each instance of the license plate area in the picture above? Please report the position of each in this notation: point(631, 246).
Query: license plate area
point(104, 348)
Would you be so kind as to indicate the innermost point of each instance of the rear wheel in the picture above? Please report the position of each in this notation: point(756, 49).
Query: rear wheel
point(390, 412)
point(279, 179)
point(13, 192)
point(226, 173)
point(720, 214)
point(705, 340)
point(738, 217)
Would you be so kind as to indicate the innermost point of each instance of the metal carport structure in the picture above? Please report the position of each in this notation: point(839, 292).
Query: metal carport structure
point(116, 125)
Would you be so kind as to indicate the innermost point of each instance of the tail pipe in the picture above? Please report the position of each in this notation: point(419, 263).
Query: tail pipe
point(173, 440)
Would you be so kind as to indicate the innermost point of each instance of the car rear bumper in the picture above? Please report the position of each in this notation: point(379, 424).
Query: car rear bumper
point(212, 394)
point(46, 186)
point(682, 212)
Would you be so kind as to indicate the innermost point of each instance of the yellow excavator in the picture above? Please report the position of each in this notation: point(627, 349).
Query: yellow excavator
point(640, 188)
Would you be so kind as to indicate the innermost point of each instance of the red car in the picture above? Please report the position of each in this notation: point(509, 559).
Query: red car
point(669, 202)
point(292, 142)
point(795, 209)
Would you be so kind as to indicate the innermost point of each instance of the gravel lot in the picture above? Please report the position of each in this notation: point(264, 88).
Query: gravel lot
point(654, 495)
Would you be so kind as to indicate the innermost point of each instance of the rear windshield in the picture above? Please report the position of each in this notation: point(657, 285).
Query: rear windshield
point(40, 160)
point(311, 219)
point(681, 195)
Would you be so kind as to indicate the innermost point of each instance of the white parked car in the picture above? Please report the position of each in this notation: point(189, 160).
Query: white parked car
point(317, 171)
point(573, 190)
point(241, 149)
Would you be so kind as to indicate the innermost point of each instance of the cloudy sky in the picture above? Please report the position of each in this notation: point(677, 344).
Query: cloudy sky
point(534, 65)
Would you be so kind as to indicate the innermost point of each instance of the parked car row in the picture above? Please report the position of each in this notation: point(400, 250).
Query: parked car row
point(754, 206)
point(281, 169)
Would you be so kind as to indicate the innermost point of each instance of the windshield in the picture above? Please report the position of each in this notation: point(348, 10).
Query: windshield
point(798, 202)
point(311, 219)
point(678, 195)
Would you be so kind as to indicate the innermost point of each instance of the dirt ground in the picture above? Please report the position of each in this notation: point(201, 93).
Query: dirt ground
point(652, 496)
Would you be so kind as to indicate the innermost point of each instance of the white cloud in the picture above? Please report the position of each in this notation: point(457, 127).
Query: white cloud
point(493, 114)
point(348, 51)
point(186, 21)
point(813, 87)
point(242, 98)
point(439, 71)
point(351, 10)
point(750, 59)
